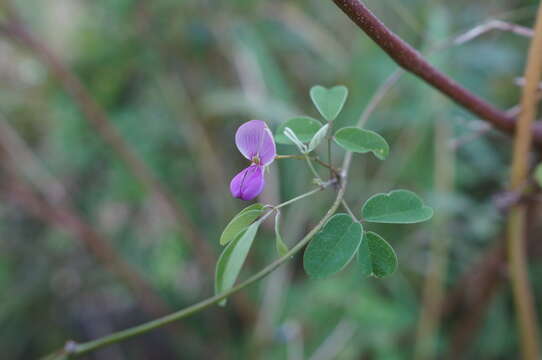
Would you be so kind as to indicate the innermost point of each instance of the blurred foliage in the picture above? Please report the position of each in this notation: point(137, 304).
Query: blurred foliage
point(173, 75)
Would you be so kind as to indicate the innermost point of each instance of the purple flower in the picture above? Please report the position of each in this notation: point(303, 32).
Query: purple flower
point(255, 141)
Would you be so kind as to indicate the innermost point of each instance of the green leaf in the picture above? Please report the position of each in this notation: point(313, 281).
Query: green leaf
point(303, 127)
point(396, 207)
point(329, 102)
point(362, 141)
point(317, 138)
point(375, 256)
point(282, 248)
point(538, 174)
point(240, 222)
point(232, 259)
point(333, 247)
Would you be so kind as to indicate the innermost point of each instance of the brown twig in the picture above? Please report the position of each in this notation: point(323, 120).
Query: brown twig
point(94, 113)
point(412, 61)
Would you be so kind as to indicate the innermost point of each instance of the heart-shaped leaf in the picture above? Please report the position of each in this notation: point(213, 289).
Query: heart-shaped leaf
point(329, 102)
point(333, 247)
point(362, 141)
point(396, 207)
point(303, 127)
point(240, 222)
point(375, 256)
point(232, 259)
point(538, 175)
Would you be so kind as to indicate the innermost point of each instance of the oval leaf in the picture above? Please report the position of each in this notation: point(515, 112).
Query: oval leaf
point(376, 257)
point(362, 141)
point(333, 247)
point(396, 207)
point(329, 102)
point(232, 259)
point(303, 127)
point(240, 222)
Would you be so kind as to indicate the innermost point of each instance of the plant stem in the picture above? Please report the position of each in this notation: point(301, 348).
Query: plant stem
point(526, 317)
point(350, 212)
point(379, 95)
point(329, 133)
point(329, 152)
point(309, 193)
point(74, 349)
point(313, 158)
point(311, 167)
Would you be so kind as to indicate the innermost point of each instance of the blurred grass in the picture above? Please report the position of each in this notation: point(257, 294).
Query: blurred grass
point(173, 75)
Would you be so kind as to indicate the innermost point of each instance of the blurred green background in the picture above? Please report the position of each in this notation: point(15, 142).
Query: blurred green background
point(176, 78)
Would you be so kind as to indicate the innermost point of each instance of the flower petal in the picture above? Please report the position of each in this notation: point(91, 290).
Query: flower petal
point(248, 183)
point(254, 139)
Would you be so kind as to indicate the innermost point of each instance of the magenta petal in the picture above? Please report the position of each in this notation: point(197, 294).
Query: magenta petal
point(254, 139)
point(248, 183)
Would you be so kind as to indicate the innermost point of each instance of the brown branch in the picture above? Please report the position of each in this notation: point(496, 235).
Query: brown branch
point(412, 61)
point(95, 114)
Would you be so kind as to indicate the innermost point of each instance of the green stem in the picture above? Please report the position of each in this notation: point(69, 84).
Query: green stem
point(314, 191)
point(313, 158)
point(350, 212)
point(80, 349)
point(328, 137)
point(313, 170)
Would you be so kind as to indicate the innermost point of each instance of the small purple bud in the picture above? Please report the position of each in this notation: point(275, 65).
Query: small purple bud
point(248, 183)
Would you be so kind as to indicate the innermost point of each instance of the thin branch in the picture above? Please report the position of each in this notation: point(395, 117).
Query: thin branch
point(349, 211)
point(412, 61)
point(517, 218)
point(492, 25)
point(311, 167)
point(313, 158)
point(27, 161)
point(75, 349)
point(379, 95)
